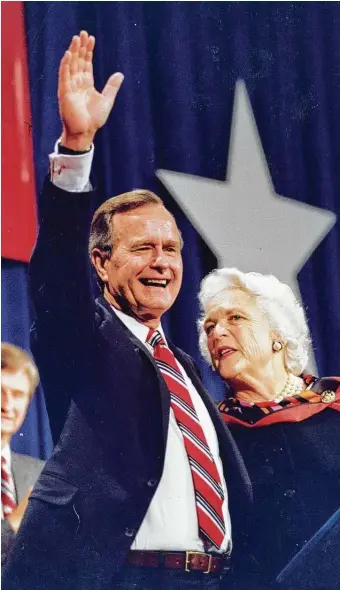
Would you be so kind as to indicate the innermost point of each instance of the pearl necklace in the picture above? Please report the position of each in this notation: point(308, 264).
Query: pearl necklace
point(293, 386)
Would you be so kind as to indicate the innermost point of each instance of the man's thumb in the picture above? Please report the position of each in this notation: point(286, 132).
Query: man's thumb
point(112, 86)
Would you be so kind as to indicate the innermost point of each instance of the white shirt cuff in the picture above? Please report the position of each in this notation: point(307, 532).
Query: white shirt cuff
point(70, 172)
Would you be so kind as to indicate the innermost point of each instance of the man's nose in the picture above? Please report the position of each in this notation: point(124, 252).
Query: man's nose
point(6, 399)
point(160, 259)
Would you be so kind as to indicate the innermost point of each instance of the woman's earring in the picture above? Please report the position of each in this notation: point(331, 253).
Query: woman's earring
point(277, 346)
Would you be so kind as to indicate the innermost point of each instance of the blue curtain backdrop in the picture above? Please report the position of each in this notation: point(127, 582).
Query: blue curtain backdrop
point(181, 61)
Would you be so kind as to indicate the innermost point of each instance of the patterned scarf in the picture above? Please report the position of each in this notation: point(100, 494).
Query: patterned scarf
point(318, 395)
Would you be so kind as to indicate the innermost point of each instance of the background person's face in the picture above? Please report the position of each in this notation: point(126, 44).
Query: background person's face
point(238, 335)
point(144, 273)
point(15, 397)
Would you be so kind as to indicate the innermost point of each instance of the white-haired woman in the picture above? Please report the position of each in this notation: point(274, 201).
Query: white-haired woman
point(286, 424)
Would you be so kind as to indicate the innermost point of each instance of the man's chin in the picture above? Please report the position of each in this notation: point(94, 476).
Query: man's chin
point(7, 429)
point(157, 303)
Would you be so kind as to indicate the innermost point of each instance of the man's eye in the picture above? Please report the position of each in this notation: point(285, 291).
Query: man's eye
point(18, 393)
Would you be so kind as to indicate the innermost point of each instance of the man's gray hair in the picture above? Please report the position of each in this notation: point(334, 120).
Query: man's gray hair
point(275, 299)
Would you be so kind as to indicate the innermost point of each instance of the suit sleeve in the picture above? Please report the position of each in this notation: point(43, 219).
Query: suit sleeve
point(60, 278)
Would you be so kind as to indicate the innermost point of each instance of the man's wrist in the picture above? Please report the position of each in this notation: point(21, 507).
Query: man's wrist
point(68, 152)
point(80, 142)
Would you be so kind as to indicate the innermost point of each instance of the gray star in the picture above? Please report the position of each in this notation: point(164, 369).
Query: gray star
point(244, 222)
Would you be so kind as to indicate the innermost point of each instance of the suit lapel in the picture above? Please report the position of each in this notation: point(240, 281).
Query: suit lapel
point(114, 330)
point(20, 475)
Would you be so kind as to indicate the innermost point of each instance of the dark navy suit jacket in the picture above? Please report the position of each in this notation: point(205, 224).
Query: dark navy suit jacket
point(109, 411)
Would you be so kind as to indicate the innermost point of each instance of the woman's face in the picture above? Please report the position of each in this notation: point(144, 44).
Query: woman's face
point(238, 335)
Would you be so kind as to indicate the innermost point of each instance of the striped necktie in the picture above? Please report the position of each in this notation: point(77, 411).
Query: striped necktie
point(207, 484)
point(7, 488)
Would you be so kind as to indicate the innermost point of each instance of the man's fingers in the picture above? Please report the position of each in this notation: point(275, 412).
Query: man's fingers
point(64, 68)
point(81, 59)
point(91, 43)
point(74, 48)
point(87, 41)
point(112, 86)
point(88, 67)
point(89, 55)
point(75, 44)
point(74, 64)
point(81, 49)
point(84, 36)
point(64, 72)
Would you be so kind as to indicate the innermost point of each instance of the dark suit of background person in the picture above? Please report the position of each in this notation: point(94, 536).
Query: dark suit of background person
point(18, 381)
point(26, 471)
point(95, 491)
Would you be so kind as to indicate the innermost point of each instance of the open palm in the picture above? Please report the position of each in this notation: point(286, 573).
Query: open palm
point(83, 109)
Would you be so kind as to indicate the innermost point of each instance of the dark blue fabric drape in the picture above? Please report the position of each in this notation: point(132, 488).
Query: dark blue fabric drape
point(181, 61)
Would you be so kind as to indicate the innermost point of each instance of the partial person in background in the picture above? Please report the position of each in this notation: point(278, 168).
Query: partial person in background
point(287, 425)
point(19, 379)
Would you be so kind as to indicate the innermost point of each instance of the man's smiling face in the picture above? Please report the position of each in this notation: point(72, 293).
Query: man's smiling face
point(15, 397)
point(144, 274)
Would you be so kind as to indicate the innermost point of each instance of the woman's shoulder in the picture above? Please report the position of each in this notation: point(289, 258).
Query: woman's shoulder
point(323, 385)
point(320, 393)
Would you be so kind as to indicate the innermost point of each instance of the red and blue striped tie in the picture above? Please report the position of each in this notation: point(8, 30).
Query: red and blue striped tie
point(207, 484)
point(7, 489)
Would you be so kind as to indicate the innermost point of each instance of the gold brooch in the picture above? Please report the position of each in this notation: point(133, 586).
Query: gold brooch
point(327, 396)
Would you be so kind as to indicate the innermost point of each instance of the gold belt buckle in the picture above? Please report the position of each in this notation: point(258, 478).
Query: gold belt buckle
point(187, 560)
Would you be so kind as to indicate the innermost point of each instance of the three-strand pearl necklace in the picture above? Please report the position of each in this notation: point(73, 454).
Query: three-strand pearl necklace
point(293, 386)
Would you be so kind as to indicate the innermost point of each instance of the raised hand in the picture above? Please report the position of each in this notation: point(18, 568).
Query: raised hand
point(83, 109)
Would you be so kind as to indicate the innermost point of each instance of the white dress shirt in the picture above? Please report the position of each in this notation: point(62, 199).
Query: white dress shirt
point(71, 173)
point(170, 523)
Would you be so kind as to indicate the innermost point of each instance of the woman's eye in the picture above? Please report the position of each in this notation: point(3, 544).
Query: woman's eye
point(209, 329)
point(236, 316)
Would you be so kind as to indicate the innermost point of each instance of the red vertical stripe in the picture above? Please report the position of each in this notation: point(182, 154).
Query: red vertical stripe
point(18, 224)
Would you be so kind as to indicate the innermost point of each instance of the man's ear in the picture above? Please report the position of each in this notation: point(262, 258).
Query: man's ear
point(99, 260)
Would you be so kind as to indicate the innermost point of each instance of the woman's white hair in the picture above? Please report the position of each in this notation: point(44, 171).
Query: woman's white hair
point(275, 299)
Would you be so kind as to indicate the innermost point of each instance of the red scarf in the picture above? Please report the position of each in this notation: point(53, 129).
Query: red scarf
point(318, 395)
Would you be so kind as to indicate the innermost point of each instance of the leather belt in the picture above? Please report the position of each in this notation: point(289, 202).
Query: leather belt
point(188, 561)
